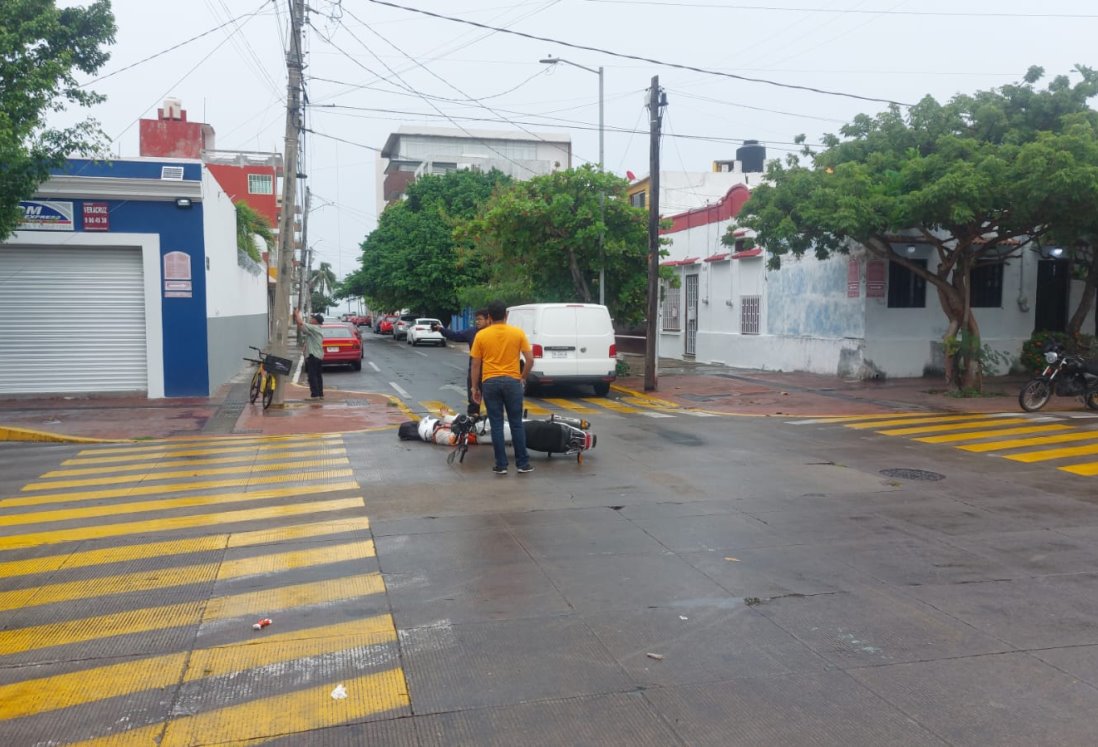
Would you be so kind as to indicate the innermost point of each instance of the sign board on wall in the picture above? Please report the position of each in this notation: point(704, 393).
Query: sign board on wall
point(177, 275)
point(46, 215)
point(853, 279)
point(875, 275)
point(97, 216)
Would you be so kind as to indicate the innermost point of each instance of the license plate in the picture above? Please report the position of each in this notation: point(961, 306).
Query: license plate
point(332, 350)
point(559, 353)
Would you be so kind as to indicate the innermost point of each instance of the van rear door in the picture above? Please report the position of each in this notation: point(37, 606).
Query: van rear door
point(594, 336)
point(556, 331)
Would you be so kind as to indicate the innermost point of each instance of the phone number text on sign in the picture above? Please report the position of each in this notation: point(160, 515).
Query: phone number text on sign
point(97, 216)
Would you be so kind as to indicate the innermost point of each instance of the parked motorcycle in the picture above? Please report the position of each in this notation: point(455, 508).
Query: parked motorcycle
point(1066, 375)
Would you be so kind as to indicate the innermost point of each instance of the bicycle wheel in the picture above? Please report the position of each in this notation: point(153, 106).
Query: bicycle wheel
point(253, 392)
point(268, 391)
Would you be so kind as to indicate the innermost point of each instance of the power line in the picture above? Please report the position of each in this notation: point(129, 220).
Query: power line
point(675, 65)
point(953, 14)
point(174, 47)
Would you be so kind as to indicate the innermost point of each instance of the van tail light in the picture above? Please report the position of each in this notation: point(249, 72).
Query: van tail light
point(538, 352)
point(613, 350)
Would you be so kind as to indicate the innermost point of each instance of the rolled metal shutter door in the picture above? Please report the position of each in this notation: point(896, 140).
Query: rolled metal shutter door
point(72, 319)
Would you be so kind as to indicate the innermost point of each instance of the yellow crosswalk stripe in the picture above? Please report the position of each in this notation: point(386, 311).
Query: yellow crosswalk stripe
point(843, 419)
point(242, 482)
point(335, 451)
point(1018, 443)
point(974, 435)
point(534, 409)
point(612, 404)
point(967, 425)
point(103, 531)
point(194, 472)
point(249, 604)
point(166, 578)
point(115, 680)
point(194, 443)
point(184, 546)
point(568, 404)
point(650, 403)
point(291, 713)
point(136, 507)
point(436, 408)
point(870, 424)
point(1045, 455)
point(178, 452)
point(1086, 470)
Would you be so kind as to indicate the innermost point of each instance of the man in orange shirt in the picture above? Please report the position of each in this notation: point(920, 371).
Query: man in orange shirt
point(498, 381)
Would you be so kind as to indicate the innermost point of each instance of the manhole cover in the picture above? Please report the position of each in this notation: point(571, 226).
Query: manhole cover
point(912, 474)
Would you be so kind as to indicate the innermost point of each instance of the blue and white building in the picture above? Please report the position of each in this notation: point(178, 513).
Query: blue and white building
point(125, 277)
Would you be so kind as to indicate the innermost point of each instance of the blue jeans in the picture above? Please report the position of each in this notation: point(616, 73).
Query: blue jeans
point(504, 393)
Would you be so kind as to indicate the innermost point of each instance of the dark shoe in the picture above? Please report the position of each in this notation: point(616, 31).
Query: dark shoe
point(527, 468)
point(499, 470)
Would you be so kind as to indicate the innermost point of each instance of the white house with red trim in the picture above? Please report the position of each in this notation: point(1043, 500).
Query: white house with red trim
point(851, 316)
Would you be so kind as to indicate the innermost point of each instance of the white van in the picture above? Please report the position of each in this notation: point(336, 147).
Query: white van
point(573, 343)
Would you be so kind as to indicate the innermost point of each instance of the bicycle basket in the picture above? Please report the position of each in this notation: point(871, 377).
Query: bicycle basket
point(278, 365)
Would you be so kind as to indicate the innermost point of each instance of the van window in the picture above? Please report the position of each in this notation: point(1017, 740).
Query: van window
point(593, 321)
point(558, 321)
point(522, 318)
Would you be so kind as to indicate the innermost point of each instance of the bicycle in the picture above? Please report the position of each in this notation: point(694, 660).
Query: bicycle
point(264, 382)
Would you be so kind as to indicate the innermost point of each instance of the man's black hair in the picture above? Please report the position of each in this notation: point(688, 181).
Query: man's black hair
point(318, 318)
point(481, 312)
point(497, 311)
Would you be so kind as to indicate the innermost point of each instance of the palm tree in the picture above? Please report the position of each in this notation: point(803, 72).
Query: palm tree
point(323, 280)
point(249, 223)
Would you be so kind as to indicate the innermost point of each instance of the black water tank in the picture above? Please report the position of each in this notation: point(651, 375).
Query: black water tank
point(751, 156)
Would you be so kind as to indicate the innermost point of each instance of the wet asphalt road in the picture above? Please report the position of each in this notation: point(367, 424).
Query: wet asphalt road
point(695, 581)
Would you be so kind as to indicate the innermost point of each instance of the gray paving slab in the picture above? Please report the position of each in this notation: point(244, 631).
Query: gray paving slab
point(660, 647)
point(405, 553)
point(815, 525)
point(609, 582)
point(594, 721)
point(433, 524)
point(1008, 699)
point(713, 533)
point(767, 572)
point(675, 508)
point(816, 708)
point(455, 667)
point(471, 593)
point(913, 561)
point(1040, 552)
point(1078, 661)
point(1028, 613)
point(391, 732)
point(873, 627)
point(946, 516)
point(579, 539)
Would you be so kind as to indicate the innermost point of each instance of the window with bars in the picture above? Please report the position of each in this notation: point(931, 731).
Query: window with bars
point(671, 297)
point(260, 184)
point(749, 315)
point(637, 200)
point(987, 285)
point(906, 290)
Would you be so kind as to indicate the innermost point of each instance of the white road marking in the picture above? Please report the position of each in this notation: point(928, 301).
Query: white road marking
point(373, 366)
point(454, 387)
point(656, 415)
point(400, 390)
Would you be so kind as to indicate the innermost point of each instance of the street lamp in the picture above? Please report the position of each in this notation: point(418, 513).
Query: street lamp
point(602, 195)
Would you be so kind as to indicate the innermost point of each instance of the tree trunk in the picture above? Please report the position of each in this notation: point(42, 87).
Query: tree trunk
point(953, 308)
point(1086, 303)
point(578, 280)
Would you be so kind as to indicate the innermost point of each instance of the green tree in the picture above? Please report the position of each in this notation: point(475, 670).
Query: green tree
point(539, 240)
point(250, 224)
point(410, 259)
point(42, 47)
point(974, 179)
point(323, 280)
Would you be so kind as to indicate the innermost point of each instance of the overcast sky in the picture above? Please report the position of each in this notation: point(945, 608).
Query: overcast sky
point(371, 68)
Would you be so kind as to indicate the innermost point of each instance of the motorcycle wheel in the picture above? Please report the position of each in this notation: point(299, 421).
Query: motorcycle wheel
point(1035, 394)
point(1092, 400)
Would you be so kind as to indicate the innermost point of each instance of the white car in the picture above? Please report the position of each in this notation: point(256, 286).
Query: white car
point(422, 330)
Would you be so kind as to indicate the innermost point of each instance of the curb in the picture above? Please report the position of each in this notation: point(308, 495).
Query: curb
point(9, 433)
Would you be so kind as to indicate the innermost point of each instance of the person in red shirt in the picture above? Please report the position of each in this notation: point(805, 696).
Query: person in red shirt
point(498, 381)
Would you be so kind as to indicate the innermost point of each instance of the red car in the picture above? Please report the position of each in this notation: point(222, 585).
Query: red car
point(342, 345)
point(385, 326)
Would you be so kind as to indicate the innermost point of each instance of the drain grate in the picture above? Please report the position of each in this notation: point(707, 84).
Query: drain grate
point(912, 474)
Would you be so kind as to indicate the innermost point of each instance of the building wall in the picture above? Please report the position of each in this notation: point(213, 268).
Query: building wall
point(234, 181)
point(236, 298)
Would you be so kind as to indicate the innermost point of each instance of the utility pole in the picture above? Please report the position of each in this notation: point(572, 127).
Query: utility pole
point(656, 100)
point(304, 293)
point(280, 342)
point(602, 202)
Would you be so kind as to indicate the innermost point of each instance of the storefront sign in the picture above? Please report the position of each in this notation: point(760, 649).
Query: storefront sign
point(46, 215)
point(177, 266)
point(97, 216)
point(875, 274)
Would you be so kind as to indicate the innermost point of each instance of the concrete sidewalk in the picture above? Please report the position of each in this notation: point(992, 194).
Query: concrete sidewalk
point(710, 388)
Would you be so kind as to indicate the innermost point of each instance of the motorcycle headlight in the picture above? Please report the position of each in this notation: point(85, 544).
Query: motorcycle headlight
point(1051, 357)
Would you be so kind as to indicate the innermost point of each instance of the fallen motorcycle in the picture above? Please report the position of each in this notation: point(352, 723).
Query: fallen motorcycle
point(1065, 375)
point(553, 435)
